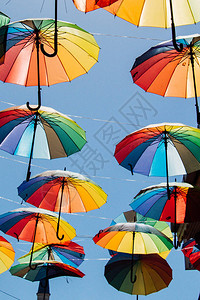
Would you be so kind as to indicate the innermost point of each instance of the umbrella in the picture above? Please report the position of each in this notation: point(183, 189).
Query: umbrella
point(131, 217)
point(90, 5)
point(162, 70)
point(182, 206)
point(62, 191)
point(34, 225)
point(166, 149)
point(77, 52)
point(133, 238)
point(151, 273)
point(4, 19)
point(195, 257)
point(156, 13)
point(7, 255)
point(44, 133)
point(44, 270)
point(68, 252)
point(187, 247)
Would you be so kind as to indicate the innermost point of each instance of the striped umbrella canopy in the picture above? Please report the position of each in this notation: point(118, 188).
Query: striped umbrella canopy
point(64, 191)
point(138, 274)
point(68, 252)
point(131, 216)
point(133, 238)
point(7, 255)
point(45, 133)
point(164, 71)
point(195, 257)
point(44, 270)
point(4, 19)
point(165, 149)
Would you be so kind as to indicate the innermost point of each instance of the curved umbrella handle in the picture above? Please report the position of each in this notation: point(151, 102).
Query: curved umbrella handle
point(30, 265)
point(57, 232)
point(180, 47)
point(58, 224)
point(34, 108)
point(55, 37)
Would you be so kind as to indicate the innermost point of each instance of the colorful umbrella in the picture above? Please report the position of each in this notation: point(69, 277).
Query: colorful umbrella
point(156, 13)
point(162, 70)
point(182, 206)
point(4, 19)
point(62, 191)
point(35, 225)
point(164, 149)
point(133, 238)
point(187, 247)
point(77, 52)
point(195, 257)
point(69, 253)
point(151, 273)
point(44, 270)
point(45, 133)
point(7, 255)
point(90, 5)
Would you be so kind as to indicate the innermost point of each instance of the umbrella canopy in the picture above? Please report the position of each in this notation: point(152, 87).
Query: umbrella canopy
point(131, 217)
point(164, 71)
point(44, 270)
point(133, 238)
point(166, 149)
point(45, 133)
point(24, 223)
point(187, 247)
point(7, 255)
point(77, 52)
point(183, 206)
point(4, 19)
point(152, 273)
point(90, 5)
point(62, 190)
point(195, 257)
point(69, 253)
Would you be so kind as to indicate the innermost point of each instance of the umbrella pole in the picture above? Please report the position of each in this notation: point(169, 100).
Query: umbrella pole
point(195, 88)
point(180, 47)
point(38, 75)
point(36, 223)
point(58, 224)
point(55, 36)
point(133, 280)
point(32, 146)
point(167, 173)
point(175, 227)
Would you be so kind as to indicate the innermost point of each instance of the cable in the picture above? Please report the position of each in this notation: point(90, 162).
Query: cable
point(9, 295)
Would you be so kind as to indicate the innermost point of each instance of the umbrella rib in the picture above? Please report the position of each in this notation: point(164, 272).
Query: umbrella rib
point(191, 12)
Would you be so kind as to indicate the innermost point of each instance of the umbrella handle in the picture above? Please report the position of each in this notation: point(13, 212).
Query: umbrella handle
point(30, 266)
point(180, 47)
point(175, 229)
point(55, 37)
point(34, 108)
point(57, 232)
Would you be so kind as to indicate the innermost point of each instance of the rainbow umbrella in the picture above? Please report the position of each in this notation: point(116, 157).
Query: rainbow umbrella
point(182, 206)
point(26, 64)
point(156, 13)
point(131, 217)
point(35, 225)
point(44, 270)
point(44, 133)
point(7, 255)
point(68, 252)
point(138, 275)
point(164, 71)
point(133, 238)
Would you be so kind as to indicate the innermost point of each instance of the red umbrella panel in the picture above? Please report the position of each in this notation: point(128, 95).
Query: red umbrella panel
point(195, 257)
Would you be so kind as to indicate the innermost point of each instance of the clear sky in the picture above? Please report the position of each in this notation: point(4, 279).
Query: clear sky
point(108, 106)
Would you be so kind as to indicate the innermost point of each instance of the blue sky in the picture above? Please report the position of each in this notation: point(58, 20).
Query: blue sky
point(108, 106)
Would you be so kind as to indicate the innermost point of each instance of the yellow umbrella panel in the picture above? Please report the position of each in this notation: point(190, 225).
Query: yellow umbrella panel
point(7, 255)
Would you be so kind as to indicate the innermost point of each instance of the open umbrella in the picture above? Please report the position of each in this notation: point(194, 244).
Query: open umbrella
point(44, 133)
point(182, 206)
point(90, 5)
point(132, 217)
point(4, 19)
point(25, 63)
point(151, 273)
point(7, 255)
point(166, 149)
point(68, 252)
point(156, 13)
point(44, 270)
point(162, 70)
point(35, 225)
point(187, 247)
point(62, 191)
point(195, 257)
point(133, 238)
